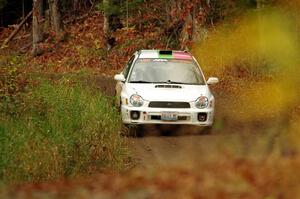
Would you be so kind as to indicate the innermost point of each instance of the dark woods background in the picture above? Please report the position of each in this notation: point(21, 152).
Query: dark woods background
point(12, 11)
point(180, 21)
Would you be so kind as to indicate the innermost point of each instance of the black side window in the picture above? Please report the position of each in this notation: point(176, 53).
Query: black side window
point(128, 66)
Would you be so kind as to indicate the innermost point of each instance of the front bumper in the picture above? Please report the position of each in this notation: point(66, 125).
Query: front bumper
point(148, 115)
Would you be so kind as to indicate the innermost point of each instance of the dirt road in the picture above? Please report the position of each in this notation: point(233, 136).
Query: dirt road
point(189, 149)
point(155, 151)
point(175, 145)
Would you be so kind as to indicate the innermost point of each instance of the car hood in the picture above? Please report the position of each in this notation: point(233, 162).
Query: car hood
point(150, 92)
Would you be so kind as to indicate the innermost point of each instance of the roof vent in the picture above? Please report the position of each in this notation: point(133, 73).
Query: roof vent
point(165, 52)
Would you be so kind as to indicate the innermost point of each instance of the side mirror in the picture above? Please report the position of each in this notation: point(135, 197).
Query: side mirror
point(119, 77)
point(212, 80)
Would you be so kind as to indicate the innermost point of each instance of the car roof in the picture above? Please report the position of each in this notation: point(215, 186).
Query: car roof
point(164, 54)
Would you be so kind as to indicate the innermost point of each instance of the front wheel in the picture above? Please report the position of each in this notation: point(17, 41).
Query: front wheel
point(132, 130)
point(207, 130)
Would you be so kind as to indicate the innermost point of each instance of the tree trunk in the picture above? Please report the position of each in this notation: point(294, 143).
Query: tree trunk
point(106, 26)
point(41, 9)
point(260, 3)
point(112, 22)
point(36, 28)
point(15, 32)
point(75, 5)
point(56, 21)
point(186, 33)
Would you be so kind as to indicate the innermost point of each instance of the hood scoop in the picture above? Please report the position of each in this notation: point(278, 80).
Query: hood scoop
point(167, 86)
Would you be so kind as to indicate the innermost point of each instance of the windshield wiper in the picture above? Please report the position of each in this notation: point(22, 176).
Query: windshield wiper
point(170, 82)
point(141, 82)
point(173, 82)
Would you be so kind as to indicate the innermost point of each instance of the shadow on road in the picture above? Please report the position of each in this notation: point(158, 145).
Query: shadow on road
point(155, 130)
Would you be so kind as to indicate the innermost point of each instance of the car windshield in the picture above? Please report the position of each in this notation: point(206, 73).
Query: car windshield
point(177, 71)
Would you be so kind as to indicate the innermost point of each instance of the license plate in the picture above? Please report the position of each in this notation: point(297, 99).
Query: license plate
point(169, 116)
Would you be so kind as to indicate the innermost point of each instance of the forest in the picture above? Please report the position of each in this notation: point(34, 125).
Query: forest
point(180, 20)
point(61, 133)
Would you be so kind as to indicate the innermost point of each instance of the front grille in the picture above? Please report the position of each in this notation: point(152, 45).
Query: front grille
point(169, 105)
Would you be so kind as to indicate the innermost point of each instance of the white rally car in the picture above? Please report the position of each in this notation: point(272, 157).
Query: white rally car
point(164, 87)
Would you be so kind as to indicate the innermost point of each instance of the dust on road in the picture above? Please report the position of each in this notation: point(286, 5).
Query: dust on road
point(163, 151)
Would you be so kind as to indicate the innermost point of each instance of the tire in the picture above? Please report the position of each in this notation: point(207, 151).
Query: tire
point(207, 130)
point(131, 130)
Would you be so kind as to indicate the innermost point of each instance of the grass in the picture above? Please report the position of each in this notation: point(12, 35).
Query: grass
point(62, 130)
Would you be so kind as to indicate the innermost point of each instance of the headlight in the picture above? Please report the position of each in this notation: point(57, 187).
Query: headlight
point(136, 100)
point(201, 102)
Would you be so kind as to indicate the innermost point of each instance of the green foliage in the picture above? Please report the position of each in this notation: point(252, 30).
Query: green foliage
point(132, 5)
point(66, 5)
point(117, 8)
point(109, 9)
point(2, 4)
point(246, 3)
point(220, 10)
point(65, 129)
point(13, 83)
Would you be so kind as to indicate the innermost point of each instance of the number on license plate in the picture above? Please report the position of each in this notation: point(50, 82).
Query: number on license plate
point(169, 116)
